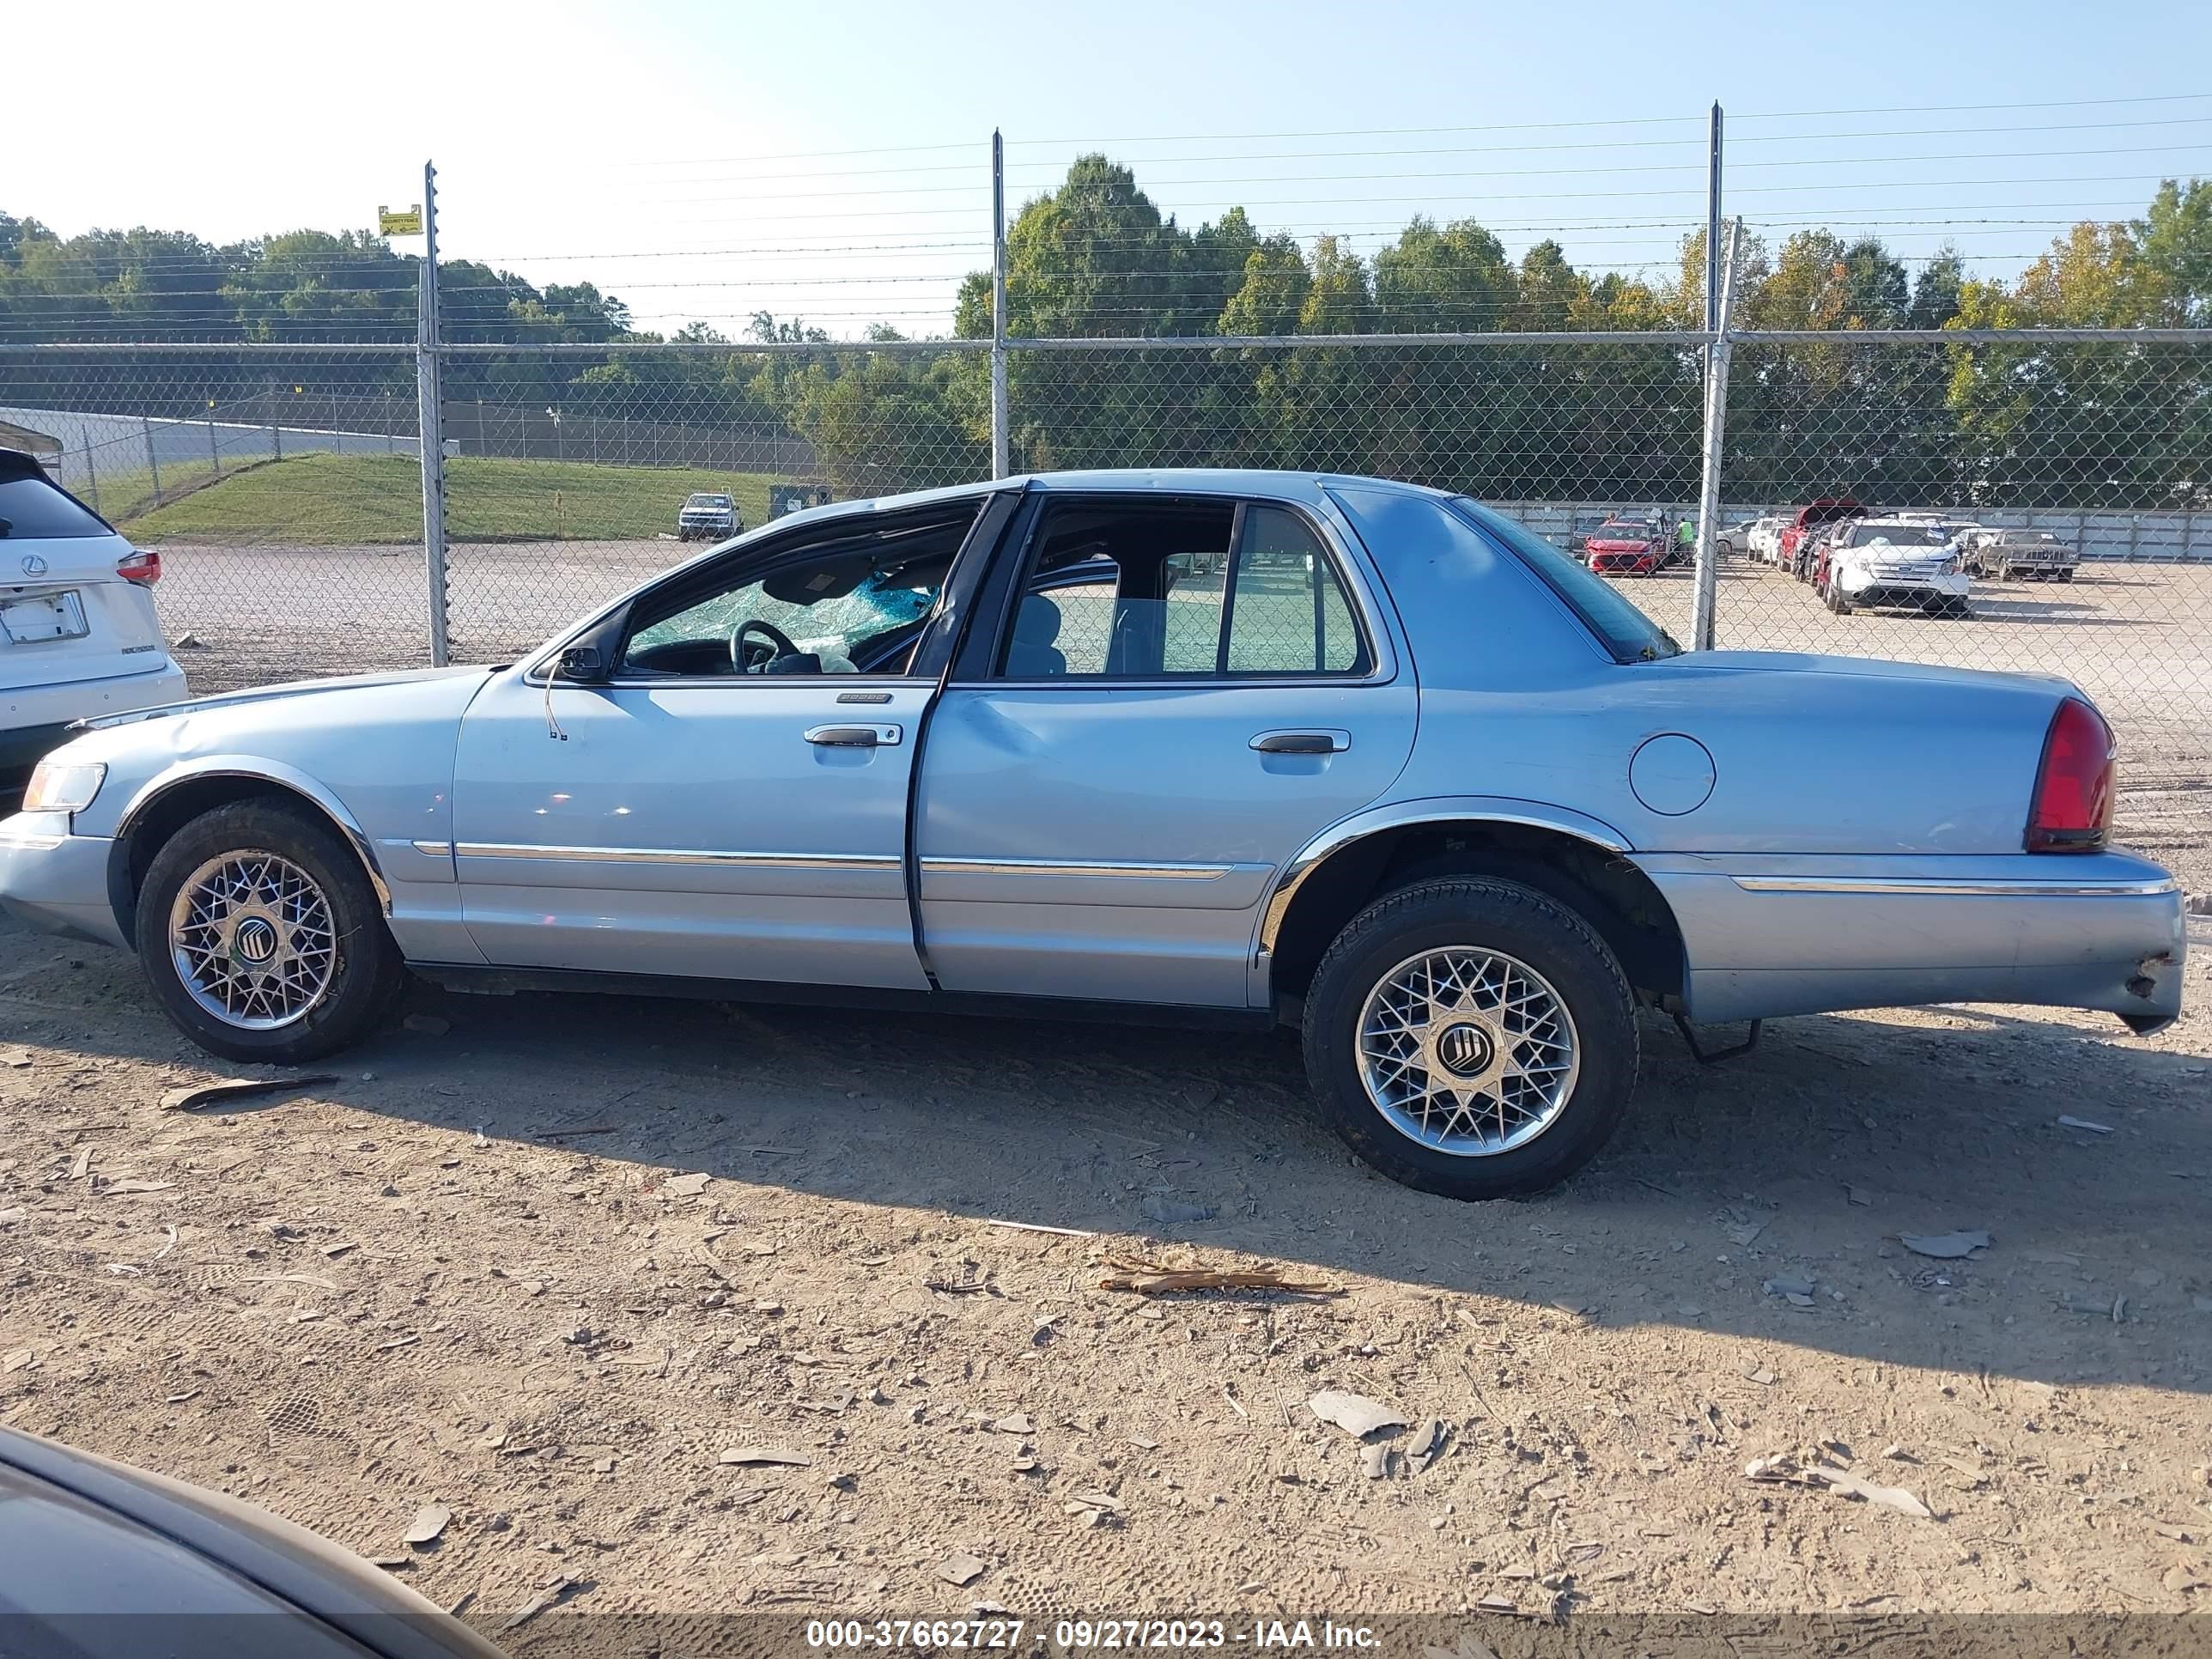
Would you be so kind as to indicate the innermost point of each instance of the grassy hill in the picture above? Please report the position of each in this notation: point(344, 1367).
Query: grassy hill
point(356, 499)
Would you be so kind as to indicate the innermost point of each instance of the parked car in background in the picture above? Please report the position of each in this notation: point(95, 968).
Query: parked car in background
point(1578, 535)
point(1761, 540)
point(1911, 563)
point(707, 516)
point(100, 1560)
point(1406, 777)
point(1625, 546)
point(2032, 555)
point(79, 636)
point(1794, 546)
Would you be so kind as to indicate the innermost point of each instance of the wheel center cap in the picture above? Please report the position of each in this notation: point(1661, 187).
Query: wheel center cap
point(255, 940)
point(1465, 1049)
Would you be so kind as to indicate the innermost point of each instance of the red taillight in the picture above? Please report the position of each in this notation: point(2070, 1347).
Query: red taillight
point(2074, 787)
point(143, 567)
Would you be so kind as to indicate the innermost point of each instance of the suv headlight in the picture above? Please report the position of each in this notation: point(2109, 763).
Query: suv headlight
point(64, 785)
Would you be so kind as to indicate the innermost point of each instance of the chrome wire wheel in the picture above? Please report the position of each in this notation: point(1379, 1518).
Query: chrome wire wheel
point(253, 941)
point(1467, 1051)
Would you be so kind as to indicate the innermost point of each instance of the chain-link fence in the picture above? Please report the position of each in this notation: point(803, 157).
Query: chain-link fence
point(2025, 503)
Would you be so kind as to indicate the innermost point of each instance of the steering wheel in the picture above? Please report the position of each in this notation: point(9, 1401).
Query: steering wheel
point(780, 642)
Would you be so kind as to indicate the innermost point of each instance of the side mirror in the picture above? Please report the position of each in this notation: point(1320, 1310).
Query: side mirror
point(584, 663)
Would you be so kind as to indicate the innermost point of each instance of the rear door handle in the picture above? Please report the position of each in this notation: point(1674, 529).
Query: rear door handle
point(1302, 743)
point(853, 737)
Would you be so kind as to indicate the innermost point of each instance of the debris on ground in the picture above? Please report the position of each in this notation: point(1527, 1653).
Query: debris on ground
point(1355, 1413)
point(1040, 1227)
point(1152, 1279)
point(1782, 1469)
point(685, 1186)
point(429, 1521)
point(1426, 1446)
point(1945, 1247)
point(797, 1460)
point(240, 1088)
point(1173, 1211)
point(2084, 1123)
point(549, 1596)
point(960, 1569)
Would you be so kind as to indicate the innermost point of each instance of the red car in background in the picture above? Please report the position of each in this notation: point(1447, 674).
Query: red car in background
point(1793, 548)
point(1624, 547)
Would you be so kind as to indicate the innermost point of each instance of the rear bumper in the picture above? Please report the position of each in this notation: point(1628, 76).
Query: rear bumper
point(33, 718)
point(55, 882)
point(1767, 936)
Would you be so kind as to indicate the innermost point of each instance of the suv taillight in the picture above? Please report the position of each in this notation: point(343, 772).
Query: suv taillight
point(2073, 786)
point(143, 567)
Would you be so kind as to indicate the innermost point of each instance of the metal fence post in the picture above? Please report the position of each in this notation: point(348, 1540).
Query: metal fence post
point(1709, 490)
point(1001, 449)
point(91, 473)
point(214, 450)
point(152, 462)
point(430, 422)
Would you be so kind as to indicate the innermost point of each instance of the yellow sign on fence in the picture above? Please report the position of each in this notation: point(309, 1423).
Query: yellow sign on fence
point(398, 222)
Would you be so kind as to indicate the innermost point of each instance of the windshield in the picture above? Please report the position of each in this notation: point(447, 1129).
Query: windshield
point(706, 500)
point(1900, 535)
point(1630, 635)
point(1632, 529)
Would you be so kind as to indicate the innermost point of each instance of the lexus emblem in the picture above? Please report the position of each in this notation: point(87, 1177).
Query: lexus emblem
point(34, 565)
point(1463, 1048)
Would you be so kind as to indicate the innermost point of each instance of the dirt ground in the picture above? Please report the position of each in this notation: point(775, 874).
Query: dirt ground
point(562, 1266)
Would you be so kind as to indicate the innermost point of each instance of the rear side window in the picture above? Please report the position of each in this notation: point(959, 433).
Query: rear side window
point(33, 508)
point(1148, 590)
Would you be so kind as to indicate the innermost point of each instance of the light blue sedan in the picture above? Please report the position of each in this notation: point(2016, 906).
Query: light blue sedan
point(1234, 747)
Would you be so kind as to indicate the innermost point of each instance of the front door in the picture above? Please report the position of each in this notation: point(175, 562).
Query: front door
point(1186, 692)
point(731, 803)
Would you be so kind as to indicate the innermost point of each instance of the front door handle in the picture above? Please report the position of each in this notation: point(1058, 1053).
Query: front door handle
point(853, 737)
point(1302, 743)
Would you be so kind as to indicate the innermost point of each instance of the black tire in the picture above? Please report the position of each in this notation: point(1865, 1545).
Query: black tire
point(365, 974)
point(1483, 913)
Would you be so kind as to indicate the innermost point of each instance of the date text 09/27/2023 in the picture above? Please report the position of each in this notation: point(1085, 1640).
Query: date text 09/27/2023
point(1086, 1634)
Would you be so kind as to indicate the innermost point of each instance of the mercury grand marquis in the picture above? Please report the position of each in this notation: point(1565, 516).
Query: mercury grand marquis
point(1364, 758)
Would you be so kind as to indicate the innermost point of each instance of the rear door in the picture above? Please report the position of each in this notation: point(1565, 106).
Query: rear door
point(1178, 695)
point(66, 611)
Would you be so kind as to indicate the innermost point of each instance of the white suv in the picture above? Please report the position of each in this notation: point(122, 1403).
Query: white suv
point(78, 636)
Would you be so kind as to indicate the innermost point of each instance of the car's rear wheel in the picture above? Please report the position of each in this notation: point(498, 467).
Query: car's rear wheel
point(1471, 1037)
point(262, 937)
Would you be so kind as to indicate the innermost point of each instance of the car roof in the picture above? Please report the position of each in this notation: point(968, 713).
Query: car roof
point(1309, 488)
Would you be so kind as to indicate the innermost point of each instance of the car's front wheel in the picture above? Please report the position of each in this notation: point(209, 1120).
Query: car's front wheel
point(262, 937)
point(1471, 1037)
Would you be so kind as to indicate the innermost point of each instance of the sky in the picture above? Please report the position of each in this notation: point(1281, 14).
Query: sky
point(709, 161)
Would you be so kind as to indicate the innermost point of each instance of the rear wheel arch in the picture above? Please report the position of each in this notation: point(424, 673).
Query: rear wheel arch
point(1619, 903)
point(152, 820)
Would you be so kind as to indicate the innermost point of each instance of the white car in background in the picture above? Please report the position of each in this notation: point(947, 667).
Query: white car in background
point(1764, 538)
point(1914, 561)
point(78, 634)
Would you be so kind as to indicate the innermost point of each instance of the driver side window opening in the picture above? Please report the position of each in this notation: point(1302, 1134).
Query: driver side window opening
point(855, 602)
point(1164, 589)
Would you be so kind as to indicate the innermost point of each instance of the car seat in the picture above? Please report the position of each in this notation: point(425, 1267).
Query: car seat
point(1031, 654)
